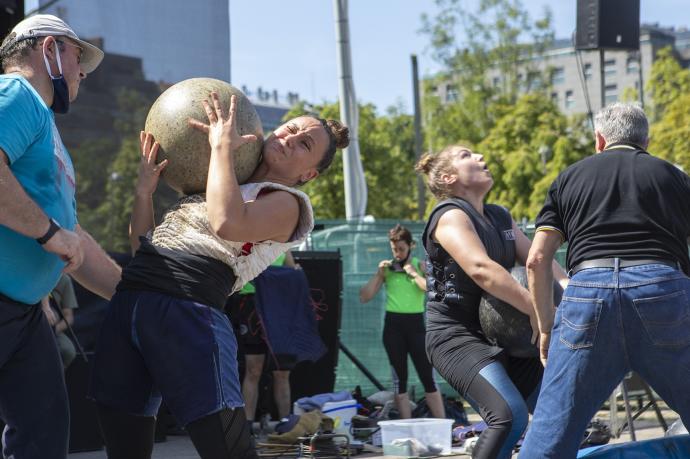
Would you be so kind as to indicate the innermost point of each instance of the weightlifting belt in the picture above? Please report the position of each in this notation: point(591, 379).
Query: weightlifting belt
point(611, 263)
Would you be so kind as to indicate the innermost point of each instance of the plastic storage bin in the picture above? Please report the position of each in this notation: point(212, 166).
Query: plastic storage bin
point(416, 437)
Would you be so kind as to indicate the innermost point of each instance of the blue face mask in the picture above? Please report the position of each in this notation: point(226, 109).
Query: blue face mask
point(60, 89)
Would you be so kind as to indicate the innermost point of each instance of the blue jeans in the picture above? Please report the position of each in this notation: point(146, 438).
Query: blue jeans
point(611, 321)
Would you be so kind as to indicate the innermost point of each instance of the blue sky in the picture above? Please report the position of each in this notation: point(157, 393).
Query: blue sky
point(290, 46)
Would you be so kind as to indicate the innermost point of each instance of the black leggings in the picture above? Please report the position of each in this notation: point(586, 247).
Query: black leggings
point(503, 393)
point(404, 334)
point(222, 435)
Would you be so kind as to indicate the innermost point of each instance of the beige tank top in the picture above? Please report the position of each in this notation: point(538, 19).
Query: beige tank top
point(185, 227)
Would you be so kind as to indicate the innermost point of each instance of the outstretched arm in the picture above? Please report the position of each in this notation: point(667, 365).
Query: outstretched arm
point(142, 220)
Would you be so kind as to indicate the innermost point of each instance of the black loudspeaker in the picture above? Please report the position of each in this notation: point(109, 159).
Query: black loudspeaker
point(324, 270)
point(85, 434)
point(608, 24)
point(11, 13)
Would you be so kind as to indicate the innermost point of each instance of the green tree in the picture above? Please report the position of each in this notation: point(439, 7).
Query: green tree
point(527, 148)
point(667, 81)
point(670, 135)
point(90, 159)
point(669, 88)
point(115, 209)
point(498, 39)
point(500, 36)
point(386, 145)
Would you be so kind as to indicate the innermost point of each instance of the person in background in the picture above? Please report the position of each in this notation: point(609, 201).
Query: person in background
point(252, 344)
point(404, 331)
point(59, 310)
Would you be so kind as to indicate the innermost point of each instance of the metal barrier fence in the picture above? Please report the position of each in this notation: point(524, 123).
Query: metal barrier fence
point(363, 246)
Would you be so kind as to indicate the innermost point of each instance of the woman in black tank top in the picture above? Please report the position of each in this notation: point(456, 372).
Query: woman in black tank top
point(471, 247)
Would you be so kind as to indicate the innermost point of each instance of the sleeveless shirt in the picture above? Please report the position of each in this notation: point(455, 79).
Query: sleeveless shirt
point(452, 296)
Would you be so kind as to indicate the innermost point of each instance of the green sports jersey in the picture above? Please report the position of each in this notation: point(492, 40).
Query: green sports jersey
point(402, 293)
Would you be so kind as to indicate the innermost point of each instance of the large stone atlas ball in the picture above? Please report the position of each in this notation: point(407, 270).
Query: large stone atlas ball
point(507, 327)
point(186, 148)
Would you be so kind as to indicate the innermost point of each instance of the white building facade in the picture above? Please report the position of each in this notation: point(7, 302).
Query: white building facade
point(558, 68)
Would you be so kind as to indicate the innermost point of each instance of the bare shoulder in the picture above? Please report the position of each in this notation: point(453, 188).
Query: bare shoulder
point(282, 201)
point(455, 217)
point(276, 213)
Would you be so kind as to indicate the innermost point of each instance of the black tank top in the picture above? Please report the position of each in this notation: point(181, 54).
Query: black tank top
point(495, 230)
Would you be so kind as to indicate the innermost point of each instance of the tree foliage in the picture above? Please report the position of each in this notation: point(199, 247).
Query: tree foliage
point(524, 137)
point(386, 145)
point(107, 172)
point(667, 80)
point(526, 150)
point(500, 36)
point(669, 87)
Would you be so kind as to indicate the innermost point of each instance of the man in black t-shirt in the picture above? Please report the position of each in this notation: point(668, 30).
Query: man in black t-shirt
point(626, 217)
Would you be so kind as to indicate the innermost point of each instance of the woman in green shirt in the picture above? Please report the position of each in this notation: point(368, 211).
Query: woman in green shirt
point(404, 331)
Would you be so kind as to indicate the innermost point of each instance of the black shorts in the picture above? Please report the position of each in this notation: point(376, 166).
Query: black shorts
point(251, 337)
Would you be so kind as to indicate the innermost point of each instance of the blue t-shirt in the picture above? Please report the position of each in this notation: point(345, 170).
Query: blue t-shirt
point(40, 162)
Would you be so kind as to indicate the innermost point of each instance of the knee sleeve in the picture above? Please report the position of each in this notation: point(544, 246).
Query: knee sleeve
point(223, 435)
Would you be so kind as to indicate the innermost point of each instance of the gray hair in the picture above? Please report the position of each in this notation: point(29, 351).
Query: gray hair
point(620, 122)
point(12, 52)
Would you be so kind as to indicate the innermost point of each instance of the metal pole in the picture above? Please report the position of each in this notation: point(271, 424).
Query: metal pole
point(602, 77)
point(421, 196)
point(639, 69)
point(345, 71)
point(229, 45)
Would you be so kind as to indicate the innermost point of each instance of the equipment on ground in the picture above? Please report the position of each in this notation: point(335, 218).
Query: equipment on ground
point(187, 149)
point(507, 327)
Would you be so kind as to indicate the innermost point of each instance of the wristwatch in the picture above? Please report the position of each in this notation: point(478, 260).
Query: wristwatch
point(52, 229)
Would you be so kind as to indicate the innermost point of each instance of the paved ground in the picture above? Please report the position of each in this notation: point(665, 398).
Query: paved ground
point(180, 447)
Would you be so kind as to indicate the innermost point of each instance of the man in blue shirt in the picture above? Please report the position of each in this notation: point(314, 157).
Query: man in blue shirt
point(43, 62)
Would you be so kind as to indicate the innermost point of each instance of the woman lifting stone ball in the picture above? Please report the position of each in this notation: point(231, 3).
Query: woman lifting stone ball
point(165, 334)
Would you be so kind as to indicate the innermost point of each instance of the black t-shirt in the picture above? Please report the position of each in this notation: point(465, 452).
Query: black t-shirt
point(622, 203)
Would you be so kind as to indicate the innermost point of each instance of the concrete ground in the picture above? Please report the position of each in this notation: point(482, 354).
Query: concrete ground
point(180, 447)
